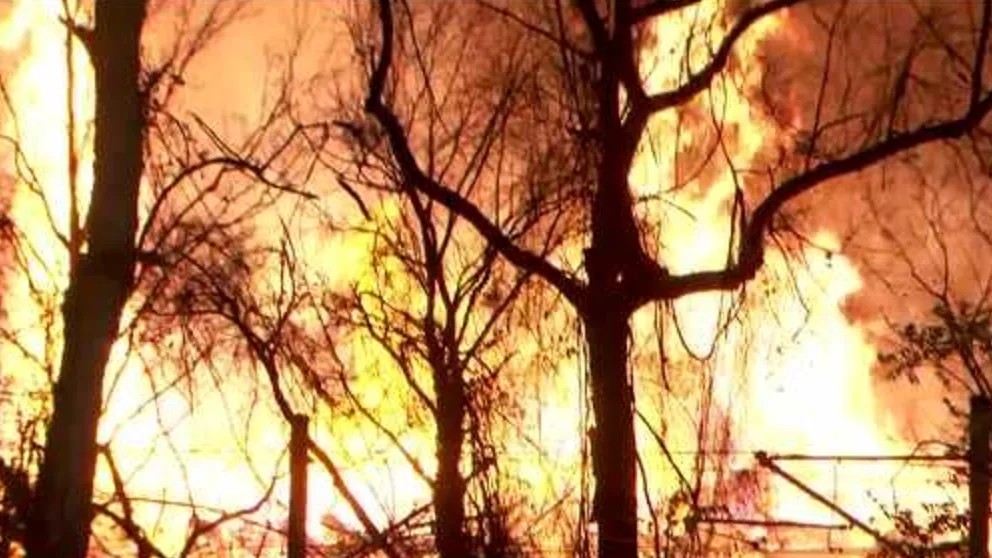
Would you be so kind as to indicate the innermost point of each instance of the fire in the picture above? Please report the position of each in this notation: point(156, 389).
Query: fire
point(168, 447)
point(33, 116)
point(791, 374)
point(37, 119)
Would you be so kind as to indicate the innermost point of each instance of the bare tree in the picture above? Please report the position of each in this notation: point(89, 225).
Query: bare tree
point(99, 287)
point(164, 189)
point(851, 118)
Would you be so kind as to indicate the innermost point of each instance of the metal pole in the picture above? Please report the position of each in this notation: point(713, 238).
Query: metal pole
point(765, 461)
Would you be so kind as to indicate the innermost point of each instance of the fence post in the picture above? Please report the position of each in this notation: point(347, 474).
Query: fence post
point(298, 441)
point(979, 428)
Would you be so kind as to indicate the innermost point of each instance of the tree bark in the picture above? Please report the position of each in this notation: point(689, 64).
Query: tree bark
point(99, 286)
point(449, 486)
point(614, 450)
point(615, 264)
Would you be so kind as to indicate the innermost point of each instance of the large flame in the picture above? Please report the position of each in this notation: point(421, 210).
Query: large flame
point(149, 434)
point(792, 374)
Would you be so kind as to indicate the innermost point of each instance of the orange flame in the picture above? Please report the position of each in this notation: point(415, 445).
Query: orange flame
point(803, 384)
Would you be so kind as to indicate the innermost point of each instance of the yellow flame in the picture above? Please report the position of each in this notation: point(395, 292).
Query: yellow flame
point(803, 386)
point(794, 374)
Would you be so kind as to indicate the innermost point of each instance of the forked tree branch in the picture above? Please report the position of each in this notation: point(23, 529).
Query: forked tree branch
point(700, 81)
point(416, 178)
point(751, 252)
point(229, 306)
point(663, 286)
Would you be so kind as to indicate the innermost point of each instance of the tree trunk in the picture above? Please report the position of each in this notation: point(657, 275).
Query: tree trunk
point(614, 450)
point(99, 286)
point(449, 486)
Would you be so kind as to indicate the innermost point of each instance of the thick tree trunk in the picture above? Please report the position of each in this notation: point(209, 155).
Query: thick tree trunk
point(614, 450)
point(449, 486)
point(61, 511)
point(614, 263)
